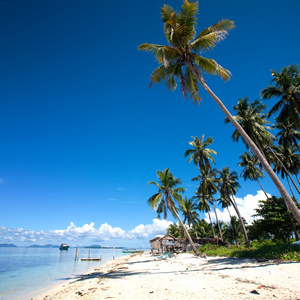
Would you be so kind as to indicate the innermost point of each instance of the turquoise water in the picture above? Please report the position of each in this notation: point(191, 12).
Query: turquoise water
point(26, 270)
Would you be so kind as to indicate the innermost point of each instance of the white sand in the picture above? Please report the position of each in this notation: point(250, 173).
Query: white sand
point(183, 277)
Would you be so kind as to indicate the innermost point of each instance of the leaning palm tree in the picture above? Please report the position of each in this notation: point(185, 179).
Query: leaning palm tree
point(181, 60)
point(168, 192)
point(252, 169)
point(287, 88)
point(228, 187)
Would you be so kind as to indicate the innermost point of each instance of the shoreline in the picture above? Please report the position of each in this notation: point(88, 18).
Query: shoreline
point(61, 282)
point(185, 276)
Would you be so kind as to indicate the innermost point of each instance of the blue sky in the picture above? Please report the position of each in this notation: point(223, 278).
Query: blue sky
point(81, 132)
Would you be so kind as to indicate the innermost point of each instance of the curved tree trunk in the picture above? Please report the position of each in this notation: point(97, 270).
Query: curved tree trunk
point(290, 203)
point(262, 188)
point(240, 219)
point(187, 234)
point(217, 221)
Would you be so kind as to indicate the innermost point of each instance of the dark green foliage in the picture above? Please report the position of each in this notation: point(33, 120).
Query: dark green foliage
point(274, 223)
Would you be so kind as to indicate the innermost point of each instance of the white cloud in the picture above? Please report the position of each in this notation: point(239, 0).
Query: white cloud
point(158, 227)
point(246, 206)
point(87, 232)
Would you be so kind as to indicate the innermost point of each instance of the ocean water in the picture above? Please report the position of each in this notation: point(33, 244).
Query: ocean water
point(23, 271)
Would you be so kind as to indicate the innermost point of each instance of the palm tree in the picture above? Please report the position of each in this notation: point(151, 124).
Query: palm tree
point(208, 186)
point(200, 154)
point(225, 203)
point(175, 231)
point(288, 134)
point(180, 59)
point(287, 88)
point(253, 121)
point(290, 165)
point(252, 169)
point(228, 187)
point(188, 208)
point(203, 206)
point(233, 230)
point(168, 193)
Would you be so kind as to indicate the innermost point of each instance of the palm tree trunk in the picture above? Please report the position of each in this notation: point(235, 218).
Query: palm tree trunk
point(187, 234)
point(295, 211)
point(240, 219)
point(262, 188)
point(297, 178)
point(217, 221)
point(285, 169)
point(228, 212)
point(290, 187)
point(165, 211)
point(211, 224)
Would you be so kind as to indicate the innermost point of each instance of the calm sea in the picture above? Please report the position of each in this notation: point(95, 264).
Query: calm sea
point(24, 271)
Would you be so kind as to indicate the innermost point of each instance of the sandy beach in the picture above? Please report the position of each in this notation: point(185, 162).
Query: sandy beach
point(183, 277)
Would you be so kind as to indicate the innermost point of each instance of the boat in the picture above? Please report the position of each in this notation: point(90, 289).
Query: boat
point(63, 247)
point(132, 251)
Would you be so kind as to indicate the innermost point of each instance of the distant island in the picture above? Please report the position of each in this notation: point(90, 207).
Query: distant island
point(103, 247)
point(8, 245)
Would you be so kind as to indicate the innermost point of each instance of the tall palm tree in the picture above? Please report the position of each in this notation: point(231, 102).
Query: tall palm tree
point(287, 88)
point(208, 186)
point(181, 60)
point(252, 169)
point(200, 154)
point(203, 206)
point(168, 192)
point(228, 187)
point(253, 121)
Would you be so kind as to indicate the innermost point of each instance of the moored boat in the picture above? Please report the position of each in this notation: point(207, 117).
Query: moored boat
point(63, 247)
point(132, 251)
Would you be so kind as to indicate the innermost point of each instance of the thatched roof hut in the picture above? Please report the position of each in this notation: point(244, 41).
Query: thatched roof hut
point(166, 243)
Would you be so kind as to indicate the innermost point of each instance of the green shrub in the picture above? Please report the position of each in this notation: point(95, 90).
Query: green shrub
point(265, 249)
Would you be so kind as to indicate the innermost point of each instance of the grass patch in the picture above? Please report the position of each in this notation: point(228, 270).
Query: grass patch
point(268, 250)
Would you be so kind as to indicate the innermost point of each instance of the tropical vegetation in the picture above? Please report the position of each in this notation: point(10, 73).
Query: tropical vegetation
point(277, 219)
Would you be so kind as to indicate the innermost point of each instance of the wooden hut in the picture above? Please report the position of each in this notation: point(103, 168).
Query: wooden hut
point(163, 243)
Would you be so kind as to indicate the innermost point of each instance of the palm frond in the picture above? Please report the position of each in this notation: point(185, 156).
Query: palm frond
point(188, 20)
point(158, 75)
point(192, 86)
point(212, 35)
point(211, 67)
point(155, 200)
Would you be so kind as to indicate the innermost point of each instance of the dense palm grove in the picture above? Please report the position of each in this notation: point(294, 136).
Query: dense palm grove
point(271, 138)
